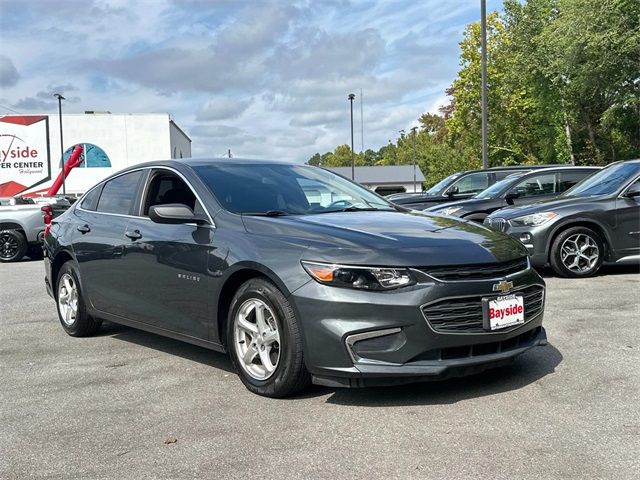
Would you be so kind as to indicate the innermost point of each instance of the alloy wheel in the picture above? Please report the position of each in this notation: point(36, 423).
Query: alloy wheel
point(257, 339)
point(8, 246)
point(68, 299)
point(579, 253)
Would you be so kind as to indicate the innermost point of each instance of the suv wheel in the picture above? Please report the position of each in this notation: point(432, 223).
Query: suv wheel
point(577, 252)
point(71, 305)
point(265, 341)
point(13, 245)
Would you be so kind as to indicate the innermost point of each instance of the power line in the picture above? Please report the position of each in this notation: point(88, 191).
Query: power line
point(10, 109)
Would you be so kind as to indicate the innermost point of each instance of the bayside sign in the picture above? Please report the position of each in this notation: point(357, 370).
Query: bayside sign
point(24, 153)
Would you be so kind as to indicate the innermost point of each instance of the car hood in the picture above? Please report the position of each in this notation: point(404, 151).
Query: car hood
point(545, 205)
point(389, 238)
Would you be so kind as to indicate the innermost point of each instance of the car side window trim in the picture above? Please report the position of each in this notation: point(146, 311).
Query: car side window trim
point(138, 202)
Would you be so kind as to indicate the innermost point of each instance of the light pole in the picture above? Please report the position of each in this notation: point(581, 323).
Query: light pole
point(415, 186)
point(60, 98)
point(351, 97)
point(483, 28)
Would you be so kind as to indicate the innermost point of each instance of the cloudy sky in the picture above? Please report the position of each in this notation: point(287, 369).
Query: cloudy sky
point(265, 78)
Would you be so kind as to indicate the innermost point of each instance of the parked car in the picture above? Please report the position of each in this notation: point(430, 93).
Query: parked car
point(518, 189)
point(22, 225)
point(459, 186)
point(597, 220)
point(331, 284)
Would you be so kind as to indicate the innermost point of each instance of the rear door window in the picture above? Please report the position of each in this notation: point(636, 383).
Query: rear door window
point(569, 179)
point(119, 195)
point(544, 184)
point(472, 183)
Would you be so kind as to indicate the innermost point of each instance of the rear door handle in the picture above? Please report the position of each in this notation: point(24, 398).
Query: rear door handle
point(84, 229)
point(134, 235)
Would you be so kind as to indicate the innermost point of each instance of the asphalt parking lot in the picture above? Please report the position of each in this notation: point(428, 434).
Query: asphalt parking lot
point(103, 407)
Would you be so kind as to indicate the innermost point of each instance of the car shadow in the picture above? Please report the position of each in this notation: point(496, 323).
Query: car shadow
point(168, 345)
point(526, 369)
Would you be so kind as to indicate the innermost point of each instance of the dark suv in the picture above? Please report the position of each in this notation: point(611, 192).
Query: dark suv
point(298, 273)
point(597, 220)
point(517, 189)
point(459, 186)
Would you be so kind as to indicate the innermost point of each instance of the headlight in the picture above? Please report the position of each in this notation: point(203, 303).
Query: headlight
point(450, 210)
point(534, 220)
point(363, 278)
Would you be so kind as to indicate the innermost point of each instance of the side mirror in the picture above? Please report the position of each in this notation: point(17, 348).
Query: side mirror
point(451, 191)
point(511, 196)
point(173, 213)
point(633, 191)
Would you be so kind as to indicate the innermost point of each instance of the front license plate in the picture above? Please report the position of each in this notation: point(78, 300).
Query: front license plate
point(502, 312)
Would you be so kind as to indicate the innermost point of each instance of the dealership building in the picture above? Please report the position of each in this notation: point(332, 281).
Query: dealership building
point(30, 147)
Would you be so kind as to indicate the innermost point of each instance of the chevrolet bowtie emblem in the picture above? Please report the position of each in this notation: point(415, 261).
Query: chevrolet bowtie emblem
point(503, 286)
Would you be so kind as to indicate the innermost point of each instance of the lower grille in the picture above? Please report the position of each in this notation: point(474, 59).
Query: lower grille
point(464, 315)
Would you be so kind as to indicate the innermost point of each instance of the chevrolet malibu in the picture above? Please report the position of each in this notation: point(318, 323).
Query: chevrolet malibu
point(299, 274)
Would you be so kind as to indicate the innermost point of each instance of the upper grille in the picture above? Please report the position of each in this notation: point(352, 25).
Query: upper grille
point(499, 224)
point(477, 272)
point(464, 315)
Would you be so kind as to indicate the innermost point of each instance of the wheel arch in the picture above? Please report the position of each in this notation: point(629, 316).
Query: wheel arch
point(241, 273)
point(60, 258)
point(581, 222)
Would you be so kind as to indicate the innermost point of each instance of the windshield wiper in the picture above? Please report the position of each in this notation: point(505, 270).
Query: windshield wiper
point(360, 209)
point(268, 213)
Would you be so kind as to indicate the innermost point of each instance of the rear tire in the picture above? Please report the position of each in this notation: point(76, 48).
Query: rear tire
point(577, 252)
point(265, 342)
point(13, 245)
point(72, 310)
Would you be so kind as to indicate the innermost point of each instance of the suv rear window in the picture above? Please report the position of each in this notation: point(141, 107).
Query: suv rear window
point(118, 195)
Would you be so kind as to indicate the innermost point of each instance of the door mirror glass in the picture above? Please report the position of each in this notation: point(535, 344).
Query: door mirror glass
point(633, 190)
point(511, 195)
point(173, 213)
point(451, 191)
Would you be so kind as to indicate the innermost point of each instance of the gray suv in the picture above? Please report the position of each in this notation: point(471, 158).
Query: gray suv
point(299, 274)
point(597, 220)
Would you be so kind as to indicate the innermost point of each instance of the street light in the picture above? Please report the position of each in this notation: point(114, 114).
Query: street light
point(483, 28)
point(60, 98)
point(415, 186)
point(351, 98)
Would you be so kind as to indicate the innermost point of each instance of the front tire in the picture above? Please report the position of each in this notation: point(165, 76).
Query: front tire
point(72, 310)
point(577, 252)
point(265, 342)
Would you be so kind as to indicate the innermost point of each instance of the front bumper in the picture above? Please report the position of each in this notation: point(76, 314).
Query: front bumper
point(399, 344)
point(535, 239)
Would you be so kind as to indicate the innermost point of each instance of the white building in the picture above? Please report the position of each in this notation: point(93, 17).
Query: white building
point(30, 147)
point(387, 179)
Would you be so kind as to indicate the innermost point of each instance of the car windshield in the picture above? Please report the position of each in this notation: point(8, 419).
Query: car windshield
point(442, 184)
point(281, 189)
point(494, 190)
point(606, 181)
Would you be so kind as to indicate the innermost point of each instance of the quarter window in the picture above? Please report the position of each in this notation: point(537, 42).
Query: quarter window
point(118, 195)
point(90, 200)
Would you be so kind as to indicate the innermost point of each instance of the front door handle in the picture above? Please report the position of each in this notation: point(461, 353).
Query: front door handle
point(134, 235)
point(84, 228)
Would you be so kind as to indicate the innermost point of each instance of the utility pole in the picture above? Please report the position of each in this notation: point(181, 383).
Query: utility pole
point(60, 98)
point(485, 128)
point(361, 122)
point(415, 185)
point(351, 97)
